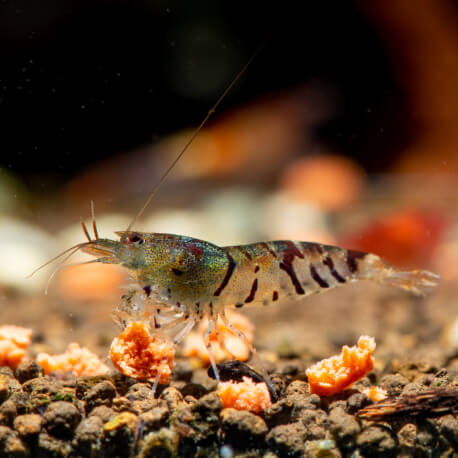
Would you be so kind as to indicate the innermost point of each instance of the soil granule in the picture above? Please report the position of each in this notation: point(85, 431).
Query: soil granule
point(62, 415)
point(115, 415)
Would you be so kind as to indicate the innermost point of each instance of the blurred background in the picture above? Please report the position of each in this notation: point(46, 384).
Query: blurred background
point(343, 130)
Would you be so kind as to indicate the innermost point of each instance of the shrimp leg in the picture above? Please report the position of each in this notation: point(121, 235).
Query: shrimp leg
point(209, 330)
point(236, 331)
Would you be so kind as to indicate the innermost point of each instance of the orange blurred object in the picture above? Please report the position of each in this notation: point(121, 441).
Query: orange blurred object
point(375, 393)
point(14, 341)
point(337, 373)
point(259, 136)
point(245, 395)
point(234, 346)
point(445, 260)
point(330, 182)
point(79, 360)
point(92, 281)
point(138, 354)
point(421, 41)
point(406, 238)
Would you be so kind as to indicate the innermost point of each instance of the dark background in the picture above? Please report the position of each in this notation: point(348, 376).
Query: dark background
point(84, 80)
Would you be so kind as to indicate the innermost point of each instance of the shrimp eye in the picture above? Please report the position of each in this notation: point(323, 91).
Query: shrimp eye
point(136, 238)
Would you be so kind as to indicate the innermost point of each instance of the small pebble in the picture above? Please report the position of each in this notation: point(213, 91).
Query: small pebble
point(344, 428)
point(376, 441)
point(61, 418)
point(210, 403)
point(4, 387)
point(162, 443)
point(29, 370)
point(140, 392)
point(11, 445)
point(287, 440)
point(393, 383)
point(122, 404)
point(8, 412)
point(100, 394)
point(226, 451)
point(154, 419)
point(242, 427)
point(87, 435)
point(103, 412)
point(406, 435)
point(356, 402)
point(448, 426)
point(28, 425)
point(172, 397)
point(118, 434)
point(298, 387)
point(315, 422)
point(50, 446)
point(301, 403)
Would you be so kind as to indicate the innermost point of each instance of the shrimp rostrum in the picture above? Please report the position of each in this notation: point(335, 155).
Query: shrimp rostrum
point(191, 279)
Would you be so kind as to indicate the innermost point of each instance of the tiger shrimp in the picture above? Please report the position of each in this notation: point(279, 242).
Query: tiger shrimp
point(192, 279)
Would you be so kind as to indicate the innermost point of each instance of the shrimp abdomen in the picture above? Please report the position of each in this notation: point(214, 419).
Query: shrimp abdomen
point(269, 271)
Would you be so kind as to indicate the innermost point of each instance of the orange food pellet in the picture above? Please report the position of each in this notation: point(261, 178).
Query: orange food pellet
point(79, 360)
point(245, 395)
point(334, 374)
point(137, 353)
point(235, 346)
point(14, 341)
point(375, 393)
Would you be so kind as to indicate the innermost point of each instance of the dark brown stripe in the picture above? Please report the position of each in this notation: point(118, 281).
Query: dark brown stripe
point(239, 305)
point(267, 247)
point(329, 262)
point(245, 253)
point(288, 268)
point(316, 276)
point(291, 251)
point(310, 248)
point(275, 296)
point(254, 288)
point(177, 271)
point(230, 270)
point(256, 269)
point(147, 290)
point(352, 256)
point(318, 248)
point(211, 308)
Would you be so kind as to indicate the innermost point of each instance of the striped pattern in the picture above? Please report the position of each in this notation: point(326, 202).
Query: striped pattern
point(227, 277)
point(263, 272)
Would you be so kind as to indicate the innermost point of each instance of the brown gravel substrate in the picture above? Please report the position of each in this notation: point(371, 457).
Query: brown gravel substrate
point(416, 361)
point(108, 416)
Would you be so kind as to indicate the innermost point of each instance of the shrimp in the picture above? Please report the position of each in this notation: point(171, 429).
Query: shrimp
point(180, 280)
point(189, 279)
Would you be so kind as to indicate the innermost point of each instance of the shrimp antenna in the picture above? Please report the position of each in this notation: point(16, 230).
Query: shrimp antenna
point(73, 250)
point(191, 139)
point(94, 225)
